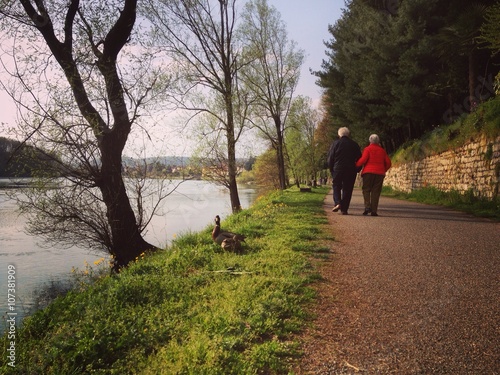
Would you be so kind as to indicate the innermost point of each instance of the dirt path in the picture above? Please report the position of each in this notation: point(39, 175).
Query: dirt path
point(413, 291)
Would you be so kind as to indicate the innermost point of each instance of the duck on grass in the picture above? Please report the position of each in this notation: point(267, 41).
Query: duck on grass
point(227, 240)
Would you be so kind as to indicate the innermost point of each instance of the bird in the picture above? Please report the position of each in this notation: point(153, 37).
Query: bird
point(227, 240)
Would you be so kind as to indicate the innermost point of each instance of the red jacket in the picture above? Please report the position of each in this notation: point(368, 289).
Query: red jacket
point(374, 160)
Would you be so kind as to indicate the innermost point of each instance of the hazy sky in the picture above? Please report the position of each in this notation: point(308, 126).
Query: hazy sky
point(307, 24)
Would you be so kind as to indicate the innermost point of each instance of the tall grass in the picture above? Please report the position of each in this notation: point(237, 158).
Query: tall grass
point(192, 308)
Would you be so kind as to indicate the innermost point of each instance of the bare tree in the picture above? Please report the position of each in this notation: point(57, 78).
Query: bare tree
point(199, 37)
point(273, 74)
point(79, 101)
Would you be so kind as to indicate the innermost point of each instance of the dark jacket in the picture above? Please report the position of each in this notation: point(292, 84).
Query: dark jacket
point(343, 154)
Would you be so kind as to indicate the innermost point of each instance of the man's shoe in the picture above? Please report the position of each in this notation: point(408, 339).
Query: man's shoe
point(367, 211)
point(336, 208)
point(374, 214)
point(344, 213)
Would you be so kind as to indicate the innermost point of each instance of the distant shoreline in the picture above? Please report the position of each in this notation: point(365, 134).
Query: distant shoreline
point(14, 182)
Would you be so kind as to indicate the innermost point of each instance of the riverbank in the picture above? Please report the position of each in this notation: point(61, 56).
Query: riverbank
point(193, 307)
point(43, 269)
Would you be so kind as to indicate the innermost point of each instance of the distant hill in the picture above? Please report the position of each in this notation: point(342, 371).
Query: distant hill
point(19, 160)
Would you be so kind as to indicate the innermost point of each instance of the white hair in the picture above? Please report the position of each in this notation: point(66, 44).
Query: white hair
point(344, 132)
point(374, 139)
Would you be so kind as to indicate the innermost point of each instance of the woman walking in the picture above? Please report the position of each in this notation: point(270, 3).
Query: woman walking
point(376, 163)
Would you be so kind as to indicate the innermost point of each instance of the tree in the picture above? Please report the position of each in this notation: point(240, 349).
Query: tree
point(461, 35)
point(346, 74)
point(78, 101)
point(199, 36)
point(490, 30)
point(272, 74)
point(403, 70)
point(303, 153)
point(325, 134)
point(266, 171)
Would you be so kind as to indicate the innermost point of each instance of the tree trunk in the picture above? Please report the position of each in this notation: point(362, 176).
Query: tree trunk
point(127, 241)
point(279, 155)
point(472, 81)
point(232, 169)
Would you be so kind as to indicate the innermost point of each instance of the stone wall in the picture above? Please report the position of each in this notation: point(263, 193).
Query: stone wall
point(475, 166)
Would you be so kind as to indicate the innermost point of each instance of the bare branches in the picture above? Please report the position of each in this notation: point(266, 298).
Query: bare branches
point(76, 109)
point(199, 36)
point(272, 75)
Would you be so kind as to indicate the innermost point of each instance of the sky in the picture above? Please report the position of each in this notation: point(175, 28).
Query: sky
point(307, 24)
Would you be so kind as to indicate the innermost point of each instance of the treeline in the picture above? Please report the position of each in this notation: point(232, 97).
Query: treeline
point(179, 167)
point(21, 160)
point(402, 68)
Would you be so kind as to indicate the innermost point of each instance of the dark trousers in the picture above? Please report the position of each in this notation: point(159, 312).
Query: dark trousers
point(372, 187)
point(343, 183)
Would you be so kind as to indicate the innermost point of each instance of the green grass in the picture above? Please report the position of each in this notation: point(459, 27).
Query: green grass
point(190, 309)
point(485, 120)
point(468, 203)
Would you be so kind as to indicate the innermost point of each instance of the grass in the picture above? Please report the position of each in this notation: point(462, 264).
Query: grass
point(468, 203)
point(190, 309)
point(485, 120)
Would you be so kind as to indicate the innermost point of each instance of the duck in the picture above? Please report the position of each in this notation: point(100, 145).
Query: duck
point(227, 240)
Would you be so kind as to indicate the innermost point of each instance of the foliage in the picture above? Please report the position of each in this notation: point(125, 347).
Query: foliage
point(489, 35)
point(21, 160)
point(485, 121)
point(271, 76)
point(246, 177)
point(266, 171)
point(399, 69)
point(192, 308)
point(491, 28)
point(303, 153)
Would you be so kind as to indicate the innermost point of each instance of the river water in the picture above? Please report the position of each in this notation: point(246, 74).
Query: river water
point(192, 206)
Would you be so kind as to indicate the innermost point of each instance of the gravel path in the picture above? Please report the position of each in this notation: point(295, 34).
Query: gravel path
point(413, 291)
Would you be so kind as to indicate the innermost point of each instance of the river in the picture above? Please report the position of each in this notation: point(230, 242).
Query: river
point(190, 207)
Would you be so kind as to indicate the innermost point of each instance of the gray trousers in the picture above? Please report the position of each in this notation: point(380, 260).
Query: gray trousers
point(372, 187)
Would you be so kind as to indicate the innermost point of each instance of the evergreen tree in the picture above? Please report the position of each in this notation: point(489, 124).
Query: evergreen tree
point(400, 69)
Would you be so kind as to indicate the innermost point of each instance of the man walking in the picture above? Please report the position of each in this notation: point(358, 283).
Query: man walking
point(342, 157)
